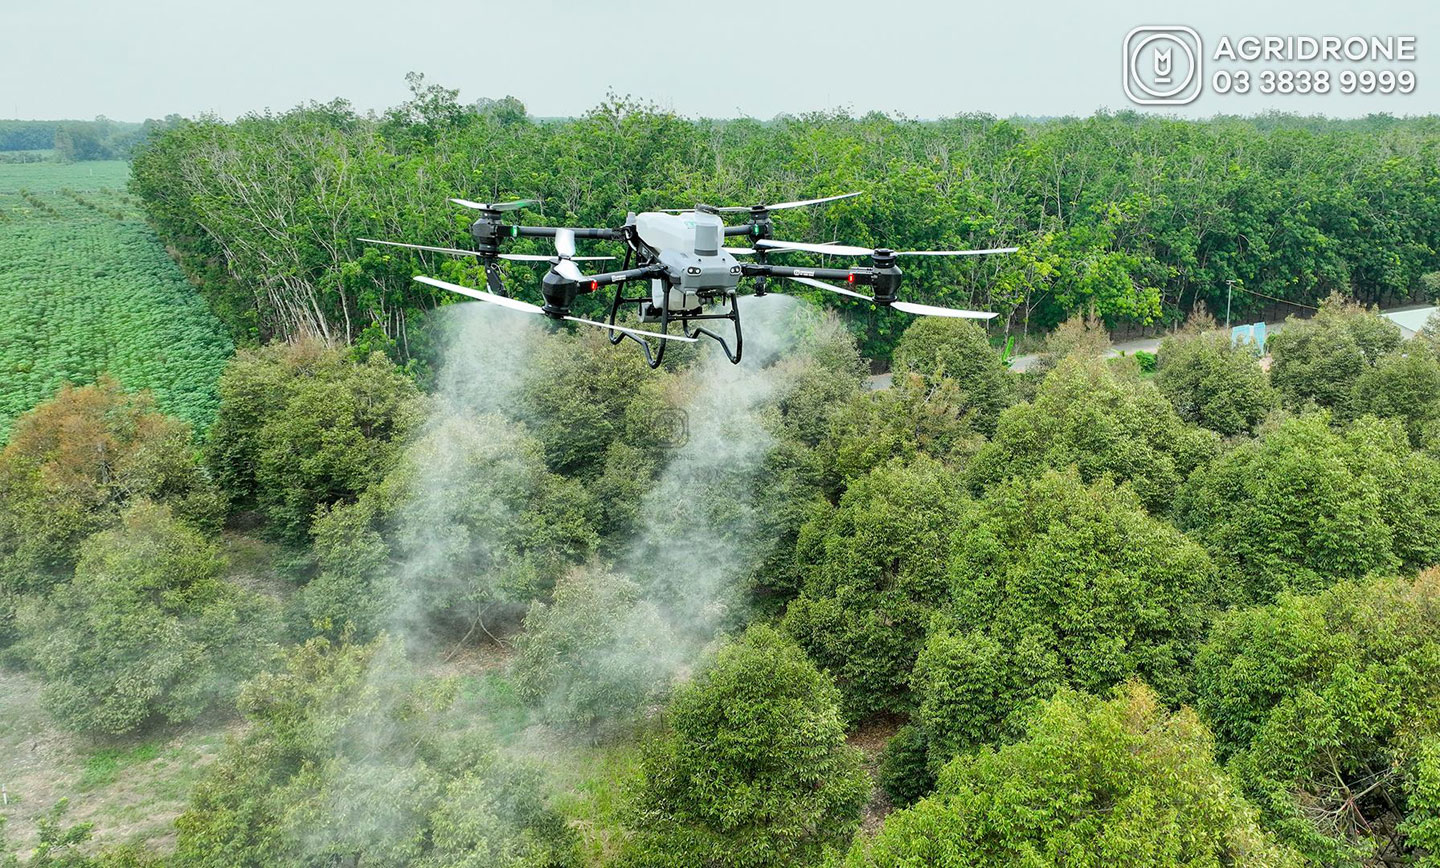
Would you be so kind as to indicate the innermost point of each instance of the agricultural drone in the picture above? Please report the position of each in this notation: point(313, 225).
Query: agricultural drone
point(692, 276)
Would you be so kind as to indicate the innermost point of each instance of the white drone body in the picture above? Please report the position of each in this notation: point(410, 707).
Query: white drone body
point(690, 246)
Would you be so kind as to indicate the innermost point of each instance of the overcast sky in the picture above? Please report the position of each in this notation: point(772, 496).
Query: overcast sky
point(81, 58)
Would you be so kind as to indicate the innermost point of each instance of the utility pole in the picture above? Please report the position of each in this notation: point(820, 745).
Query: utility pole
point(1229, 289)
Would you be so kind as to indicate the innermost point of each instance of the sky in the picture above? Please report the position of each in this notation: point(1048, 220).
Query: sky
point(920, 58)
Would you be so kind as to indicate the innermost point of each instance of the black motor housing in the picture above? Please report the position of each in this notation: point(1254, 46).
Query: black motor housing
point(559, 293)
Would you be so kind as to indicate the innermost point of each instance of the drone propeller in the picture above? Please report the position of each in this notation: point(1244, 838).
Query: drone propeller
point(820, 284)
point(499, 206)
point(930, 310)
point(851, 250)
point(778, 206)
point(906, 306)
point(455, 251)
point(565, 248)
point(781, 206)
point(527, 307)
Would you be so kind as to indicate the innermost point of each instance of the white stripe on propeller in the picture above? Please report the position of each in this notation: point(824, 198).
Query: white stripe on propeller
point(927, 310)
point(499, 206)
point(482, 295)
point(630, 331)
point(820, 284)
point(527, 307)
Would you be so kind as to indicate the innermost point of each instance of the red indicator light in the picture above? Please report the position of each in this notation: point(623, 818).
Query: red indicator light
point(850, 278)
point(594, 285)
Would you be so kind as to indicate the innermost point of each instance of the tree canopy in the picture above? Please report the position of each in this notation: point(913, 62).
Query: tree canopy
point(1093, 782)
point(752, 768)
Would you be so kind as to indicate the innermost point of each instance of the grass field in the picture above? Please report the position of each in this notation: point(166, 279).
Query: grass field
point(87, 289)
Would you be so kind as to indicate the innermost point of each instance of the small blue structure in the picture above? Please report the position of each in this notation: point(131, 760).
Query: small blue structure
point(1249, 334)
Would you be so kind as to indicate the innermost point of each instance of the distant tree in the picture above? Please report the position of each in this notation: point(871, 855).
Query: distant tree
point(348, 756)
point(752, 768)
point(939, 350)
point(146, 631)
point(1324, 706)
point(73, 463)
point(905, 772)
point(1054, 583)
point(1318, 361)
point(1092, 782)
point(506, 110)
point(596, 655)
point(300, 426)
point(1306, 505)
point(1102, 421)
point(1082, 337)
point(1213, 383)
point(874, 575)
point(1404, 385)
point(465, 530)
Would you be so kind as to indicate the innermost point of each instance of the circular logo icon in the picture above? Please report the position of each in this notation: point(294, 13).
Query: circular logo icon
point(1162, 65)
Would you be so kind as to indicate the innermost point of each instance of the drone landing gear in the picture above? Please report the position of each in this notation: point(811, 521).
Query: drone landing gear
point(685, 318)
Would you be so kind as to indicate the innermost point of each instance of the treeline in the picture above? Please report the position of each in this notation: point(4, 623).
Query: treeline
point(1135, 219)
point(72, 141)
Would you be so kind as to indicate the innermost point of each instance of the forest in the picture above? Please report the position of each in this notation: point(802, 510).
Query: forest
point(1134, 219)
point(71, 141)
point(457, 595)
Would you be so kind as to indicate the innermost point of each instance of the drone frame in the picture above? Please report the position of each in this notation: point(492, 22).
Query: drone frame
point(564, 282)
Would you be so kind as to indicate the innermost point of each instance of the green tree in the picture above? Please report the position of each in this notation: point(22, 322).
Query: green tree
point(351, 757)
point(1103, 422)
point(1306, 505)
point(940, 349)
point(752, 768)
point(1322, 704)
point(1213, 383)
point(1054, 583)
point(1114, 782)
point(874, 575)
point(1422, 824)
point(300, 426)
point(905, 773)
point(596, 655)
point(1320, 360)
point(146, 631)
point(1404, 385)
point(468, 525)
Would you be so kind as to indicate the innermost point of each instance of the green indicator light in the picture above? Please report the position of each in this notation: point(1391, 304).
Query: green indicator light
point(755, 229)
point(514, 231)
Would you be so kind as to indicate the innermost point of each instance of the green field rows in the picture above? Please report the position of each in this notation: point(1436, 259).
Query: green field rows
point(87, 289)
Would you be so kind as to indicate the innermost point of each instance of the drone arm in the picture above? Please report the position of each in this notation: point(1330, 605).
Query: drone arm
point(549, 232)
point(862, 276)
point(593, 282)
point(743, 229)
